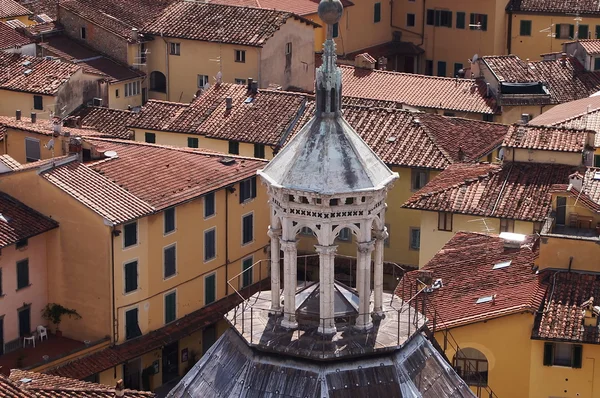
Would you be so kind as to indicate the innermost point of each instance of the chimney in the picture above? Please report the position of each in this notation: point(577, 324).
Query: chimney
point(119, 389)
point(487, 90)
point(134, 34)
point(425, 276)
point(461, 154)
point(524, 118)
point(18, 114)
point(76, 147)
point(576, 181)
point(78, 122)
point(33, 117)
point(563, 59)
point(250, 83)
point(254, 88)
point(228, 103)
point(57, 127)
point(364, 61)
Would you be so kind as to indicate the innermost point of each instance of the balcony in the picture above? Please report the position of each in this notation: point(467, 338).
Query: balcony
point(579, 227)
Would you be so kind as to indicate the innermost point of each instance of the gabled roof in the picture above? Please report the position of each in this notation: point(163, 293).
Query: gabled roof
point(108, 121)
point(11, 8)
point(421, 91)
point(48, 7)
point(220, 23)
point(18, 221)
point(46, 127)
point(465, 266)
point(569, 114)
point(546, 138)
point(10, 38)
point(519, 191)
point(553, 6)
point(591, 46)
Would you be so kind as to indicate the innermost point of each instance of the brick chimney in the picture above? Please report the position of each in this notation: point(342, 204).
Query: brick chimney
point(364, 61)
point(119, 389)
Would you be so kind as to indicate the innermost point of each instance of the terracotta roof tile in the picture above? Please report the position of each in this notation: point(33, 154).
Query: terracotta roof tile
point(461, 95)
point(591, 185)
point(18, 221)
point(299, 7)
point(591, 46)
point(8, 389)
point(9, 162)
point(465, 266)
point(48, 7)
point(46, 127)
point(561, 317)
point(554, 6)
point(562, 114)
point(45, 77)
point(11, 8)
point(108, 121)
point(43, 28)
point(546, 138)
point(10, 38)
point(159, 115)
point(224, 24)
point(519, 191)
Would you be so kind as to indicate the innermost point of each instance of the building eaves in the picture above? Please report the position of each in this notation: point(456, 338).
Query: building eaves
point(546, 138)
point(12, 9)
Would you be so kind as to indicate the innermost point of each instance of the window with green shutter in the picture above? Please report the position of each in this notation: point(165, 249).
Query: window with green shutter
point(336, 30)
point(478, 22)
point(548, 354)
point(525, 28)
point(210, 244)
point(170, 261)
point(596, 160)
point(210, 289)
point(597, 36)
point(209, 205)
point(130, 234)
point(169, 220)
point(247, 228)
point(377, 13)
point(247, 272)
point(441, 68)
point(234, 147)
point(460, 20)
point(577, 357)
point(150, 138)
point(192, 142)
point(247, 189)
point(584, 31)
point(596, 67)
point(132, 327)
point(170, 307)
point(259, 151)
point(131, 276)
point(22, 274)
point(564, 31)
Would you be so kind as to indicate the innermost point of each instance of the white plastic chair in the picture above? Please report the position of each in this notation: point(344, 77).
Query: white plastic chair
point(42, 332)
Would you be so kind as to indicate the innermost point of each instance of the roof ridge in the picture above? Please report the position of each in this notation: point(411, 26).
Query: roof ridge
point(416, 75)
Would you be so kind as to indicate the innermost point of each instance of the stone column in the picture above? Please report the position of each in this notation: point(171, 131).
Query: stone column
point(380, 237)
point(326, 289)
point(365, 249)
point(290, 281)
point(275, 234)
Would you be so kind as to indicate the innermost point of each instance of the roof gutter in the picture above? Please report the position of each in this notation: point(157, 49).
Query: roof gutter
point(509, 33)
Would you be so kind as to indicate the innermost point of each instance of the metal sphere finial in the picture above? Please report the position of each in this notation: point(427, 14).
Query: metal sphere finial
point(330, 11)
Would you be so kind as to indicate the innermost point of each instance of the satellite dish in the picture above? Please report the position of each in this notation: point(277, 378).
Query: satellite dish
point(475, 58)
point(50, 144)
point(110, 154)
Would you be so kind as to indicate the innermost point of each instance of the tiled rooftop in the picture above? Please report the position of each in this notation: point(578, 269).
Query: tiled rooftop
point(546, 138)
point(299, 7)
point(46, 126)
point(48, 7)
point(561, 317)
point(554, 6)
point(10, 38)
point(69, 50)
point(591, 46)
point(465, 266)
point(18, 221)
point(569, 114)
point(591, 186)
point(220, 23)
point(43, 28)
point(11, 8)
point(112, 122)
point(460, 95)
point(519, 191)
point(46, 386)
point(45, 77)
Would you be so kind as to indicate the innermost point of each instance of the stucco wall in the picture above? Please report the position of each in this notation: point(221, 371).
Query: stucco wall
point(536, 156)
point(80, 89)
point(10, 101)
point(27, 49)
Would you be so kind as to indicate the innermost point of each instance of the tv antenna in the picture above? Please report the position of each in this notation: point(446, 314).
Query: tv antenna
point(486, 227)
point(551, 34)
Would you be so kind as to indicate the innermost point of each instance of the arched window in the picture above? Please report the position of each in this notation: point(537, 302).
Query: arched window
point(158, 82)
point(472, 366)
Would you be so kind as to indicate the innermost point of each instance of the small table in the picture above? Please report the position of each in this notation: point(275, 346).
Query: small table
point(30, 339)
point(583, 221)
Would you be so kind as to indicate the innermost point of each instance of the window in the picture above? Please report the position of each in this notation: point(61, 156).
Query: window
point(419, 179)
point(131, 276)
point(306, 231)
point(240, 81)
point(192, 142)
point(210, 289)
point(564, 31)
point(169, 220)
point(345, 235)
point(488, 117)
point(597, 36)
point(117, 93)
point(38, 102)
point(170, 307)
point(22, 274)
point(209, 205)
point(507, 225)
point(21, 243)
point(143, 53)
point(441, 68)
point(247, 272)
point(430, 17)
point(210, 244)
point(130, 234)
point(234, 147)
point(240, 56)
point(563, 354)
point(336, 30)
point(377, 13)
point(415, 238)
point(429, 67)
point(439, 18)
point(410, 19)
point(158, 82)
point(478, 19)
point(596, 67)
point(460, 20)
point(596, 160)
point(202, 81)
point(247, 229)
point(170, 261)
point(83, 33)
point(150, 138)
point(32, 149)
point(444, 221)
point(288, 48)
point(132, 327)
point(584, 31)
point(472, 366)
point(175, 48)
point(247, 189)
point(525, 28)
point(259, 151)
point(132, 89)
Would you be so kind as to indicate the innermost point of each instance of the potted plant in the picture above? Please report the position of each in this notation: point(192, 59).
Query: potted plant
point(53, 313)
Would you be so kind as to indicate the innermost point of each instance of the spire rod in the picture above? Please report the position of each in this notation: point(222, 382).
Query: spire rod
point(329, 78)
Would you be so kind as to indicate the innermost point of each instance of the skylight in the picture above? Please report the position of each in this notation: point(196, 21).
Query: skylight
point(485, 299)
point(503, 264)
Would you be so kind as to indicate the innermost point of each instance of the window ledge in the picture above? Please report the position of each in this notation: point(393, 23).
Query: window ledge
point(24, 287)
point(170, 232)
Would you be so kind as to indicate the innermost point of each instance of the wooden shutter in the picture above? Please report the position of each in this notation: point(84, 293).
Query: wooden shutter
point(472, 21)
point(548, 354)
point(22, 273)
point(597, 32)
point(430, 17)
point(131, 276)
point(571, 31)
point(583, 31)
point(209, 245)
point(170, 307)
point(577, 357)
point(253, 187)
point(170, 261)
point(248, 228)
point(557, 31)
point(242, 193)
point(209, 289)
point(32, 149)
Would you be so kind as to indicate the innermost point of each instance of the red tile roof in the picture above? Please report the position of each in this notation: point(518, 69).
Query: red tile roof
point(18, 221)
point(554, 6)
point(8, 389)
point(220, 23)
point(561, 316)
point(11, 8)
point(113, 356)
point(563, 113)
point(9, 38)
point(48, 7)
point(461, 95)
point(43, 28)
point(46, 77)
point(465, 266)
point(299, 7)
point(546, 138)
point(46, 386)
point(108, 121)
point(591, 185)
point(591, 46)
point(519, 191)
point(46, 127)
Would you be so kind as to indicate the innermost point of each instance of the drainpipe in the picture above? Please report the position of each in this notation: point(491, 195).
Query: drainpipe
point(227, 240)
point(570, 263)
point(166, 64)
point(259, 63)
point(115, 324)
point(509, 34)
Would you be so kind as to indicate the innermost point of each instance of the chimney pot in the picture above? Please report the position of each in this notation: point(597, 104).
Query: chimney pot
point(134, 34)
point(563, 59)
point(119, 389)
point(228, 103)
point(18, 114)
point(254, 88)
point(250, 80)
point(33, 117)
